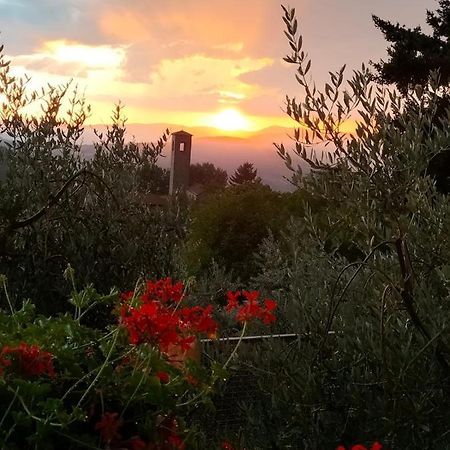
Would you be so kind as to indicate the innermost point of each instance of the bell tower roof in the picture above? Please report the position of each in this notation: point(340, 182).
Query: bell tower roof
point(181, 133)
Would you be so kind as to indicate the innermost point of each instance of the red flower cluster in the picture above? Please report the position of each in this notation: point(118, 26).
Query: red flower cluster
point(108, 427)
point(28, 360)
point(164, 290)
point(167, 428)
point(251, 308)
point(163, 376)
point(160, 321)
point(375, 446)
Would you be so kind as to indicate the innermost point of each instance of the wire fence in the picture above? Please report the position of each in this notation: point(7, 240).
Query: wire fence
point(240, 392)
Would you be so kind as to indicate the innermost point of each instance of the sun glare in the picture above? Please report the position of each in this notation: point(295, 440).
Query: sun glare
point(230, 120)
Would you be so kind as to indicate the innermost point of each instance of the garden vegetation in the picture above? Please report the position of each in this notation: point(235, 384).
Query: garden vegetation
point(100, 345)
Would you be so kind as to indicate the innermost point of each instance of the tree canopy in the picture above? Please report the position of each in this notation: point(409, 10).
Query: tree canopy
point(57, 207)
point(229, 225)
point(208, 175)
point(413, 54)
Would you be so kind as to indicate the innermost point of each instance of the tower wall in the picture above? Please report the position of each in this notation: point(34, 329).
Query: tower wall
point(180, 162)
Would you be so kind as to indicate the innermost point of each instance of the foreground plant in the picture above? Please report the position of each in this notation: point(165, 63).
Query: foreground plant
point(128, 387)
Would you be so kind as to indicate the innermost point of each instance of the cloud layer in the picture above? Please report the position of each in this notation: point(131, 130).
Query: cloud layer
point(184, 60)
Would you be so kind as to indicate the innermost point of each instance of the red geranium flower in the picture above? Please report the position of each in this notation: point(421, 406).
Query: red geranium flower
point(164, 291)
point(375, 446)
point(108, 427)
point(30, 360)
point(169, 434)
point(176, 442)
point(159, 321)
point(199, 319)
point(163, 376)
point(136, 443)
point(251, 308)
point(232, 302)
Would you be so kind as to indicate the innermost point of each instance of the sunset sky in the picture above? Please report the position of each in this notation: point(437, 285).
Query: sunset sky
point(196, 63)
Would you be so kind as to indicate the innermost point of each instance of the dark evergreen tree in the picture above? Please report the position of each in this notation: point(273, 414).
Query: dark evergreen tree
point(245, 173)
point(413, 54)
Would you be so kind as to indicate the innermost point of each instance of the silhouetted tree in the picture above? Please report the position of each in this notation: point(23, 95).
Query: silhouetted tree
point(245, 173)
point(208, 175)
point(413, 54)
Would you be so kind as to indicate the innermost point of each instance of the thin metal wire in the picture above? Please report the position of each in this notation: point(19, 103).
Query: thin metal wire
point(260, 337)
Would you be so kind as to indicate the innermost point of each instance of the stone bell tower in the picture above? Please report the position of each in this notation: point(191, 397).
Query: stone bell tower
point(181, 161)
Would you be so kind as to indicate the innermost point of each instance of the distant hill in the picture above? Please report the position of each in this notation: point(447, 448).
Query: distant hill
point(225, 151)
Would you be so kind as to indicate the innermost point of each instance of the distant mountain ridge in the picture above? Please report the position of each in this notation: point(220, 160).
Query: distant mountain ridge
point(225, 150)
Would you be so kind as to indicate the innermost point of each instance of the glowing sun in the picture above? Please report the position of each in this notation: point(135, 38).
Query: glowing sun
point(230, 120)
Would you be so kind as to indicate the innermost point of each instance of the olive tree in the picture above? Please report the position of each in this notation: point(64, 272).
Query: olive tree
point(57, 208)
point(372, 358)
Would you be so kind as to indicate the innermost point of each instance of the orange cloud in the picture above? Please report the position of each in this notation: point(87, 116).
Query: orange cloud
point(231, 26)
point(165, 60)
point(124, 25)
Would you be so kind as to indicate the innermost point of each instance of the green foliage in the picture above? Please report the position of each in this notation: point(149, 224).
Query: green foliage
point(96, 372)
point(371, 361)
point(208, 175)
point(414, 58)
point(228, 226)
point(361, 272)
